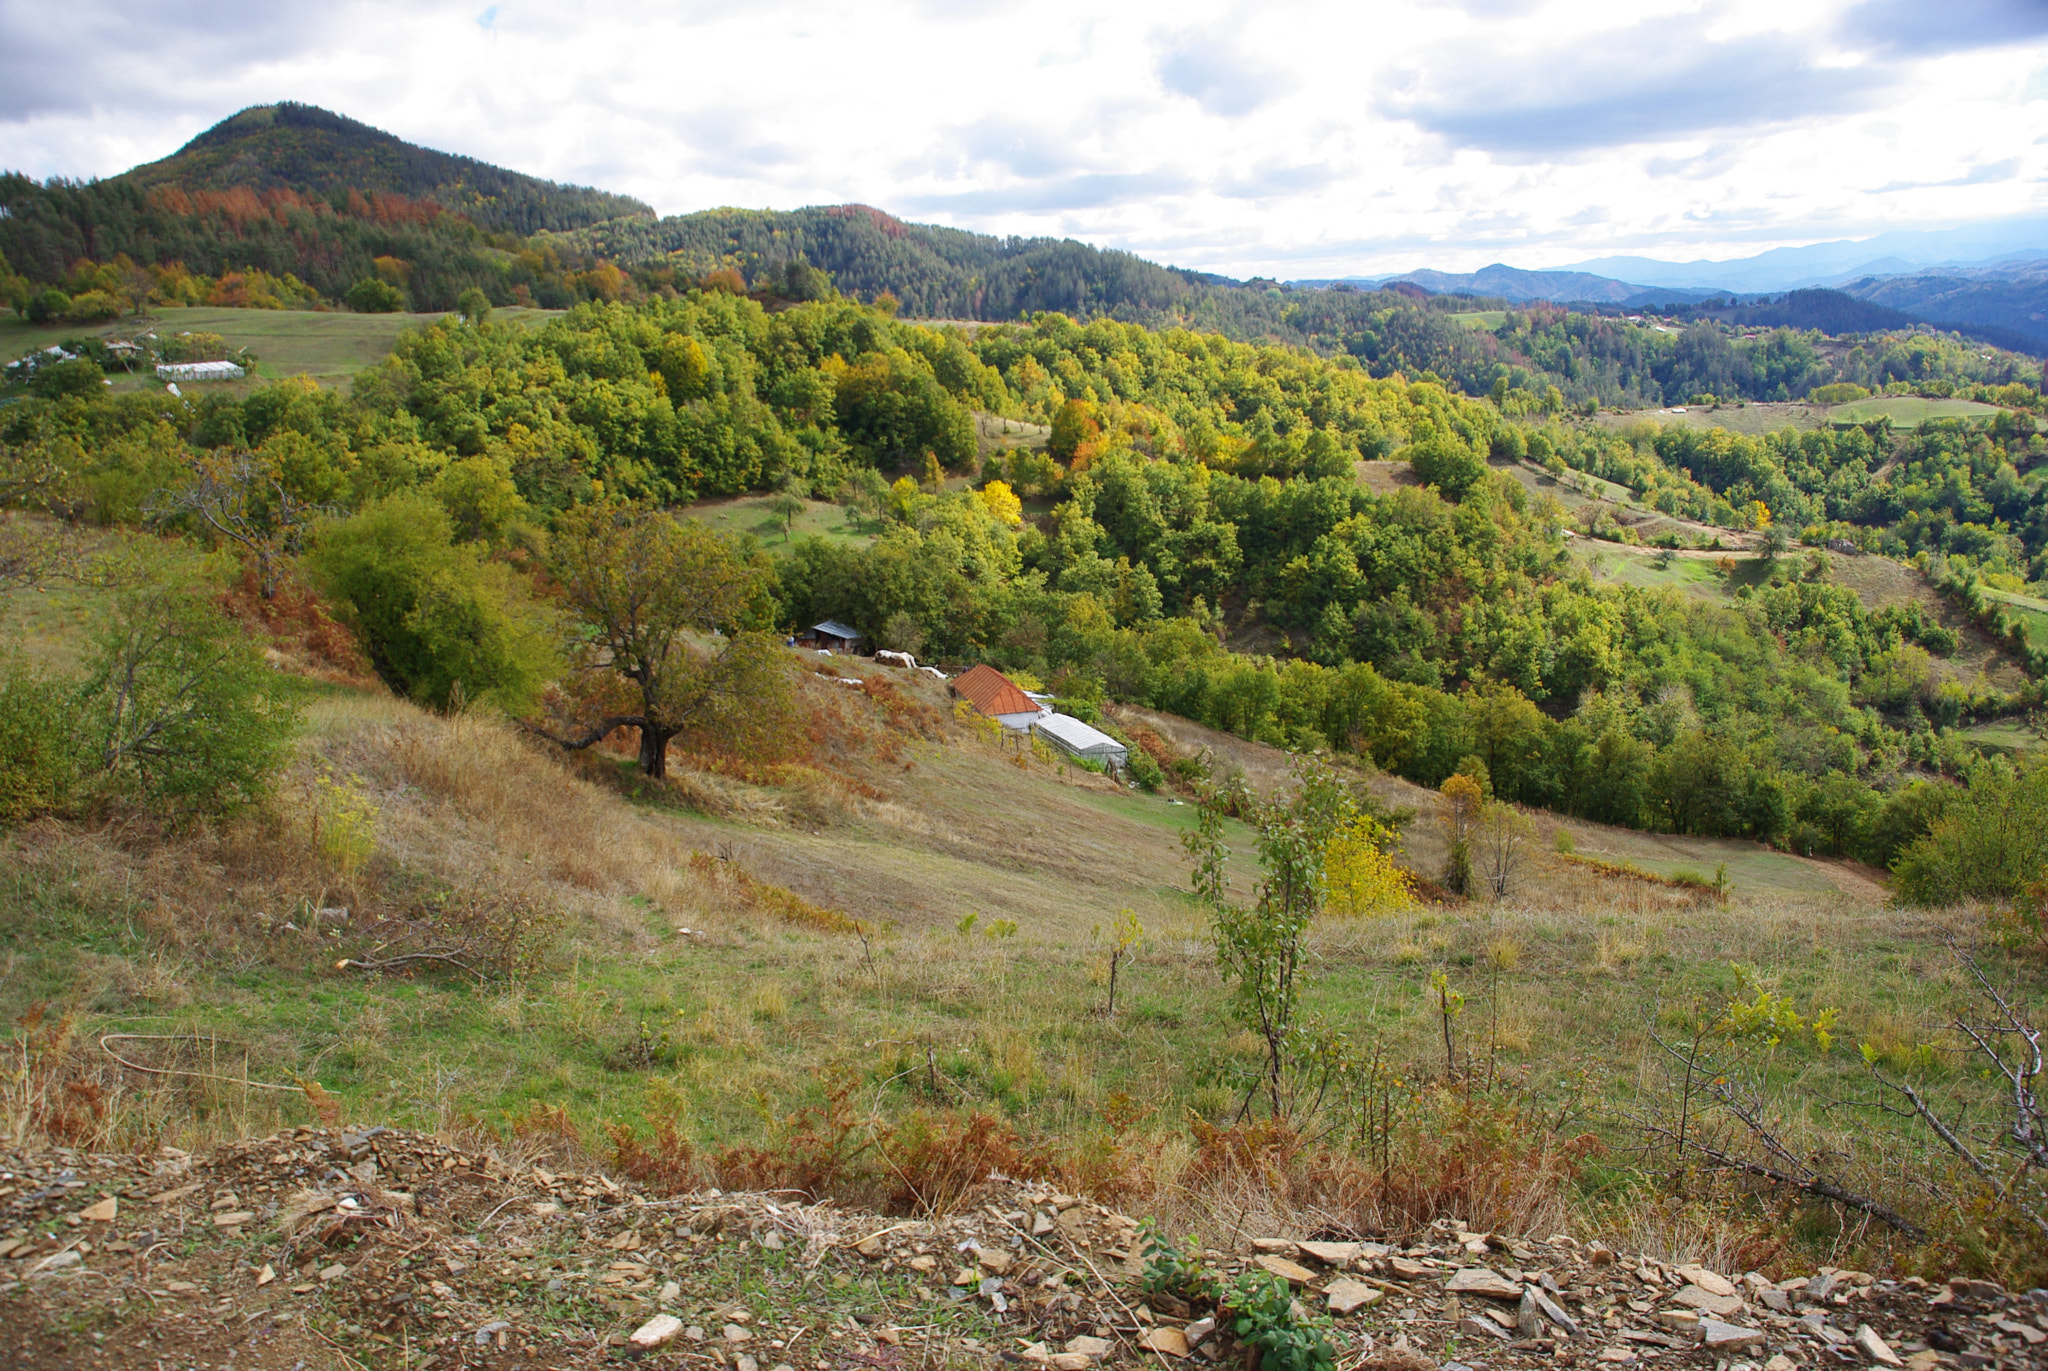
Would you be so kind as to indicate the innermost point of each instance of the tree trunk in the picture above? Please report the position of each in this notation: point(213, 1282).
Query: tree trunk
point(654, 750)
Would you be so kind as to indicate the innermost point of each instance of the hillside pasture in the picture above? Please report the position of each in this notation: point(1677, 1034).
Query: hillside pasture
point(751, 514)
point(2029, 610)
point(938, 944)
point(329, 347)
point(1752, 419)
point(1908, 411)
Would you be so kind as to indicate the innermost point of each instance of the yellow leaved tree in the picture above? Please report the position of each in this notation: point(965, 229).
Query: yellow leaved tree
point(1001, 501)
point(1360, 878)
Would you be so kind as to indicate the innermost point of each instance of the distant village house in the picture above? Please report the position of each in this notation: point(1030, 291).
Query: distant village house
point(998, 697)
point(831, 635)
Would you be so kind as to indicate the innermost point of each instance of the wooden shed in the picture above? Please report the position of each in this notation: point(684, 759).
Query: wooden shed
point(832, 635)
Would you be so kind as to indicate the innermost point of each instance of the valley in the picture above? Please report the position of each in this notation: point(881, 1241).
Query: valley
point(497, 831)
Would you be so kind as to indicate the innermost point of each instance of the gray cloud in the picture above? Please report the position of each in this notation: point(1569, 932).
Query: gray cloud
point(1920, 28)
point(1018, 148)
point(74, 58)
point(1085, 191)
point(1211, 69)
point(1651, 83)
point(1264, 183)
point(1715, 160)
point(1983, 174)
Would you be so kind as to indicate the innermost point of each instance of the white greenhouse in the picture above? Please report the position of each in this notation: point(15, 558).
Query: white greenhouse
point(199, 371)
point(1080, 741)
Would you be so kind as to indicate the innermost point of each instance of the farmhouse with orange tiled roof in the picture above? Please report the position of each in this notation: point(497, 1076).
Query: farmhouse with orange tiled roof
point(998, 697)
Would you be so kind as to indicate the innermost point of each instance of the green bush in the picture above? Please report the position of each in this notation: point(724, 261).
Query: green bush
point(39, 729)
point(433, 615)
point(93, 307)
point(372, 296)
point(1443, 460)
point(1839, 393)
point(179, 712)
point(48, 305)
point(79, 376)
point(1985, 843)
point(1145, 771)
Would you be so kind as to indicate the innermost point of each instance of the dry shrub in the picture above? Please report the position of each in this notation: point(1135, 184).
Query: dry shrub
point(51, 1089)
point(751, 892)
point(300, 630)
point(929, 1162)
point(1700, 887)
point(1472, 1157)
point(665, 1165)
point(901, 713)
point(494, 933)
point(937, 1159)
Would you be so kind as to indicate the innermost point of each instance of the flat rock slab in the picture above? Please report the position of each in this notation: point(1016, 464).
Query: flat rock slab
point(1709, 1281)
point(1329, 1253)
point(1718, 1336)
point(1704, 1300)
point(1292, 1272)
point(1874, 1347)
point(103, 1212)
point(1553, 1311)
point(1348, 1295)
point(1407, 1270)
point(1484, 1328)
point(660, 1329)
point(1089, 1347)
point(1170, 1341)
point(1483, 1280)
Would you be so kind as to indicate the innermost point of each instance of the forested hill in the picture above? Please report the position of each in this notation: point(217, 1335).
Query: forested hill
point(290, 146)
point(936, 273)
point(288, 206)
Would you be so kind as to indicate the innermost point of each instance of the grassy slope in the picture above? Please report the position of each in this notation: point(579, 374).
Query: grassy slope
point(1877, 581)
point(751, 514)
point(910, 826)
point(1908, 411)
point(186, 936)
point(329, 347)
point(1753, 419)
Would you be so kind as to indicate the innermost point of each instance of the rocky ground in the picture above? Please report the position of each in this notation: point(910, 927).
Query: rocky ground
point(373, 1249)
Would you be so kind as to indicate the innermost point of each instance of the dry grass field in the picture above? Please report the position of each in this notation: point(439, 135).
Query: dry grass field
point(945, 949)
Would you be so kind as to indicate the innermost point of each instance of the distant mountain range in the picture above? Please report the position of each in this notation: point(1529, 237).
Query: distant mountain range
point(1519, 286)
point(1990, 277)
point(1834, 263)
point(290, 188)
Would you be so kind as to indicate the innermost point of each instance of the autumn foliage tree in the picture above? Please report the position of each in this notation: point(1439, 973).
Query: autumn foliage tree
point(1360, 876)
point(664, 644)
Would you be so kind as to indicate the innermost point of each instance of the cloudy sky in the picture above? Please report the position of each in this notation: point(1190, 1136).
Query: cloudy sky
point(1291, 139)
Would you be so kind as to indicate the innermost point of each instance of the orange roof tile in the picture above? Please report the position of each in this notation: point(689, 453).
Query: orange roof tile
point(993, 693)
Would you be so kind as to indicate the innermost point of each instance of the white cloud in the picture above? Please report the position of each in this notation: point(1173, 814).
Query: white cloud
point(1302, 138)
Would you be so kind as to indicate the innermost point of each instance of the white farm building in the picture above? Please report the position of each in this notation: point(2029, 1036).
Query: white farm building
point(199, 371)
point(1081, 741)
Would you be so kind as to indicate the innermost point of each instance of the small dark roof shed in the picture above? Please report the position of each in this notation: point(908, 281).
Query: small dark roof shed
point(832, 628)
